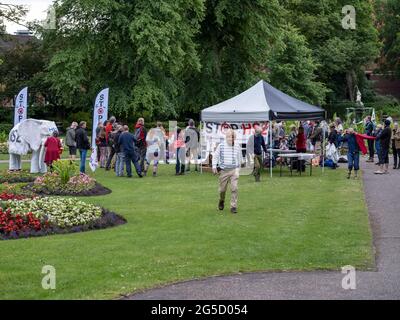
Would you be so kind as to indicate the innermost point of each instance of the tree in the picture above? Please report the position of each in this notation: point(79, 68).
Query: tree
point(340, 54)
point(292, 68)
point(21, 66)
point(137, 48)
point(11, 12)
point(388, 21)
point(235, 38)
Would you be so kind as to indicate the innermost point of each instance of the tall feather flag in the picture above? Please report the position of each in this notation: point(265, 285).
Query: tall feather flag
point(100, 114)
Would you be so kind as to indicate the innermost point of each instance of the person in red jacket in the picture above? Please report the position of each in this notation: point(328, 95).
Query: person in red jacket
point(140, 136)
point(53, 149)
point(301, 141)
point(301, 147)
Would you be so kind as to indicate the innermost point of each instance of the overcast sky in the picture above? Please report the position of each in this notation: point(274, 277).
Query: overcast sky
point(37, 11)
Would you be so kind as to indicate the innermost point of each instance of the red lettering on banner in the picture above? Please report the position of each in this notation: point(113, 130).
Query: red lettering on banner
point(245, 127)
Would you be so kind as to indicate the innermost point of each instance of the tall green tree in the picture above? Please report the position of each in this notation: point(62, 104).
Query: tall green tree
point(137, 48)
point(388, 21)
point(292, 68)
point(340, 53)
point(235, 38)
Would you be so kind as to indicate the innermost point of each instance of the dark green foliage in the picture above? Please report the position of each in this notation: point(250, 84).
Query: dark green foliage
point(171, 58)
point(388, 20)
point(340, 53)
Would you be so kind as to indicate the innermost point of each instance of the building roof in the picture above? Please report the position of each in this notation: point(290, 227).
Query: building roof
point(9, 41)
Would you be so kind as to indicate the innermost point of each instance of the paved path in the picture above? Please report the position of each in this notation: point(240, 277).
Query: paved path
point(383, 199)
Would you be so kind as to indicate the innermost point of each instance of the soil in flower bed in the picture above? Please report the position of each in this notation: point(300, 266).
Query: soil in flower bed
point(107, 220)
point(97, 190)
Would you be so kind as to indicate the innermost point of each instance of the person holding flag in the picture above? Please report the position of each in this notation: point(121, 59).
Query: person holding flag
point(356, 144)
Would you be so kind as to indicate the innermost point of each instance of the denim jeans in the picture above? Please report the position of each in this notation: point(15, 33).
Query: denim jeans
point(180, 160)
point(83, 153)
point(354, 160)
point(378, 150)
point(119, 164)
point(132, 156)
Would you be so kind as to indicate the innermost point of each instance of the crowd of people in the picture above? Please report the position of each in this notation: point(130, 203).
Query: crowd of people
point(309, 137)
point(118, 148)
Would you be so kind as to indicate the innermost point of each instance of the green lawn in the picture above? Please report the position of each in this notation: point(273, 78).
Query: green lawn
point(174, 232)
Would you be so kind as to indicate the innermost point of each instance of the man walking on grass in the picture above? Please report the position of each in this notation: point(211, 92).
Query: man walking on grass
point(226, 162)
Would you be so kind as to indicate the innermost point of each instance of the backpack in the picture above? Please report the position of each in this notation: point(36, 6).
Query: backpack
point(140, 142)
point(111, 138)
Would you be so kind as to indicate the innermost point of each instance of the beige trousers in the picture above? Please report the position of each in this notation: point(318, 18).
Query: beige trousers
point(226, 177)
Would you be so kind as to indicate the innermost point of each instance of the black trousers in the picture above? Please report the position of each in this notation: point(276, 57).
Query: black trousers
point(384, 155)
point(371, 148)
point(142, 157)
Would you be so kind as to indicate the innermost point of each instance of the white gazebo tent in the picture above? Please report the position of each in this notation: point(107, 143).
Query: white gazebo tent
point(262, 102)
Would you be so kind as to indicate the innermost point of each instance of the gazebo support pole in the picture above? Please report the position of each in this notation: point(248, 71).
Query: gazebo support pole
point(270, 148)
point(201, 148)
point(323, 150)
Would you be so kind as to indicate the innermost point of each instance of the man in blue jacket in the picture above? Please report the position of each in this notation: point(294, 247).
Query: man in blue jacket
point(127, 144)
point(259, 146)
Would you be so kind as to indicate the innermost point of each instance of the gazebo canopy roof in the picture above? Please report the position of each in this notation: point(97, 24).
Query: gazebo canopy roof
point(262, 102)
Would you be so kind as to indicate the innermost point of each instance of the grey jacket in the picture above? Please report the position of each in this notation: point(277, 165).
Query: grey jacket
point(70, 138)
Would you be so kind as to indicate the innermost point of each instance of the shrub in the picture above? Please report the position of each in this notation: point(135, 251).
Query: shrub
point(65, 169)
point(4, 147)
point(3, 136)
point(6, 127)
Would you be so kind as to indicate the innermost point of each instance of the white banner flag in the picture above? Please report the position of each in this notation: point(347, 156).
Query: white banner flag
point(100, 114)
point(21, 106)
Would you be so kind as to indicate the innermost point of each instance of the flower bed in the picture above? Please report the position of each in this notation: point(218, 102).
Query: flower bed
point(26, 217)
point(4, 196)
point(77, 185)
point(16, 176)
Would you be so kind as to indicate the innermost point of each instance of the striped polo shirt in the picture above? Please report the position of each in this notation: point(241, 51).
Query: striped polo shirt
point(227, 157)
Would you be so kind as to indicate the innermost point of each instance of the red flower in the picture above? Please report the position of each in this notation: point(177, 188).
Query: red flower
point(20, 223)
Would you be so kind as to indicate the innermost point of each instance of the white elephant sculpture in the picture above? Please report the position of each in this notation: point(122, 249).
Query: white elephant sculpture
point(30, 135)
